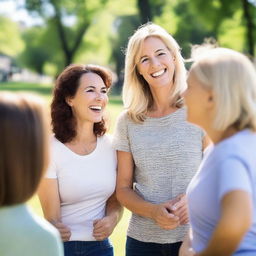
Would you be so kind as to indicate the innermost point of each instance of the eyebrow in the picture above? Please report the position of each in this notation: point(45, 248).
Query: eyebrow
point(93, 87)
point(158, 50)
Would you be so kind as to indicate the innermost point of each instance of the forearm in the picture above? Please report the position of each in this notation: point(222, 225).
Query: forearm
point(114, 208)
point(128, 198)
point(224, 241)
point(235, 220)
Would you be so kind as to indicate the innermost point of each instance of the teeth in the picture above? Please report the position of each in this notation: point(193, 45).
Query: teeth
point(96, 107)
point(159, 73)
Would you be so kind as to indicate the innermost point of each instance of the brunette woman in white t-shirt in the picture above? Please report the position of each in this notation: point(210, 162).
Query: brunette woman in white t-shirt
point(77, 195)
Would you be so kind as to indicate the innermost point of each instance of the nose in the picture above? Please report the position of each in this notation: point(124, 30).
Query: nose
point(99, 96)
point(155, 62)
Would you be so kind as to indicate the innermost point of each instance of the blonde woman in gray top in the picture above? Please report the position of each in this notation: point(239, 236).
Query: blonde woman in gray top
point(158, 151)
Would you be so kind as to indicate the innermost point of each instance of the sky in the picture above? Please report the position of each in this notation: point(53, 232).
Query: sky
point(10, 9)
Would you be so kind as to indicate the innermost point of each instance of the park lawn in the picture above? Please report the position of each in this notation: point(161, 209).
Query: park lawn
point(113, 110)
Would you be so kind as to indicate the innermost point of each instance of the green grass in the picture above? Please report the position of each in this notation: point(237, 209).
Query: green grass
point(114, 108)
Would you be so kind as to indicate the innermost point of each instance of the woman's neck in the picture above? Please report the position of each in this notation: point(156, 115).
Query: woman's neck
point(161, 103)
point(218, 136)
point(84, 132)
point(85, 140)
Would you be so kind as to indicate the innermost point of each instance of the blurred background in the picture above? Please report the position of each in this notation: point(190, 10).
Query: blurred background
point(38, 38)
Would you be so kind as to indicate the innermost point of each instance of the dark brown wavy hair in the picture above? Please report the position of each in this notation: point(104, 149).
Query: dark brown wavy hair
point(67, 83)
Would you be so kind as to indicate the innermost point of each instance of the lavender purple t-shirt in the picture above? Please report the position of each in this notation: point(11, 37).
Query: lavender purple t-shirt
point(229, 165)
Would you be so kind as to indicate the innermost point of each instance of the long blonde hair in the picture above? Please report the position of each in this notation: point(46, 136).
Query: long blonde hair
point(137, 96)
point(232, 78)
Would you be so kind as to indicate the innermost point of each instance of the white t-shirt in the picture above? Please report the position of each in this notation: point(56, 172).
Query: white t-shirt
point(85, 184)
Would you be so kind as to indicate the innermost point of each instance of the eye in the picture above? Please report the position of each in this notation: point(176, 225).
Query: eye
point(143, 60)
point(161, 53)
point(89, 90)
point(104, 90)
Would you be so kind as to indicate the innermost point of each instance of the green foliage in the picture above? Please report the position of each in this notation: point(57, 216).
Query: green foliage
point(97, 31)
point(223, 19)
point(124, 26)
point(232, 28)
point(36, 53)
point(69, 19)
point(10, 39)
point(189, 28)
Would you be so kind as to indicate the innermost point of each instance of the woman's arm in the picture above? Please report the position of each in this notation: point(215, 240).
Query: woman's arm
point(128, 198)
point(48, 193)
point(186, 247)
point(235, 220)
point(103, 228)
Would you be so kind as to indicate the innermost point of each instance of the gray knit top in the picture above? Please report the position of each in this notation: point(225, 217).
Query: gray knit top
point(167, 152)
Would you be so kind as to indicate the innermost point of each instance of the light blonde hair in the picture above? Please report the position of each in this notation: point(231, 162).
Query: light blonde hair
point(23, 147)
point(137, 96)
point(232, 78)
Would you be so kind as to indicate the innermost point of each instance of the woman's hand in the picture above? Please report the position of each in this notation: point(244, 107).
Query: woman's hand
point(179, 208)
point(64, 231)
point(103, 228)
point(162, 215)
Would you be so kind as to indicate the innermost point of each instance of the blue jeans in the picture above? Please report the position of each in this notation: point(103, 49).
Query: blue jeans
point(138, 248)
point(88, 248)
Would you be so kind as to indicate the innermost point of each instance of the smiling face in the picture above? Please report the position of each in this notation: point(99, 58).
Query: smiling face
point(156, 63)
point(90, 99)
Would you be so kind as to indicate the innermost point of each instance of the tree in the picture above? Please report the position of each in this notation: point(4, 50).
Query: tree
point(125, 26)
point(214, 13)
point(249, 12)
point(71, 20)
point(148, 9)
point(37, 51)
point(189, 29)
point(11, 42)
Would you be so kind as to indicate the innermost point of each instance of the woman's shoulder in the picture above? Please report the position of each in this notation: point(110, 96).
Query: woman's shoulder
point(106, 141)
point(58, 150)
point(54, 142)
point(123, 116)
point(106, 138)
point(181, 115)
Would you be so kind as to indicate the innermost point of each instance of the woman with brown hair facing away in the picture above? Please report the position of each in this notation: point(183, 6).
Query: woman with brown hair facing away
point(23, 160)
point(78, 193)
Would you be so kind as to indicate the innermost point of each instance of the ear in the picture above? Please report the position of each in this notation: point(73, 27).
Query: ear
point(69, 101)
point(210, 99)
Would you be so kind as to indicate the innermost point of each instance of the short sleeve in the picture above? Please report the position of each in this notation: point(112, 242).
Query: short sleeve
point(51, 172)
point(120, 139)
point(233, 175)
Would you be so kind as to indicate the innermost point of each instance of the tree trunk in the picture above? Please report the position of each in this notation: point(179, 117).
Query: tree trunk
point(249, 27)
point(69, 52)
point(145, 12)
